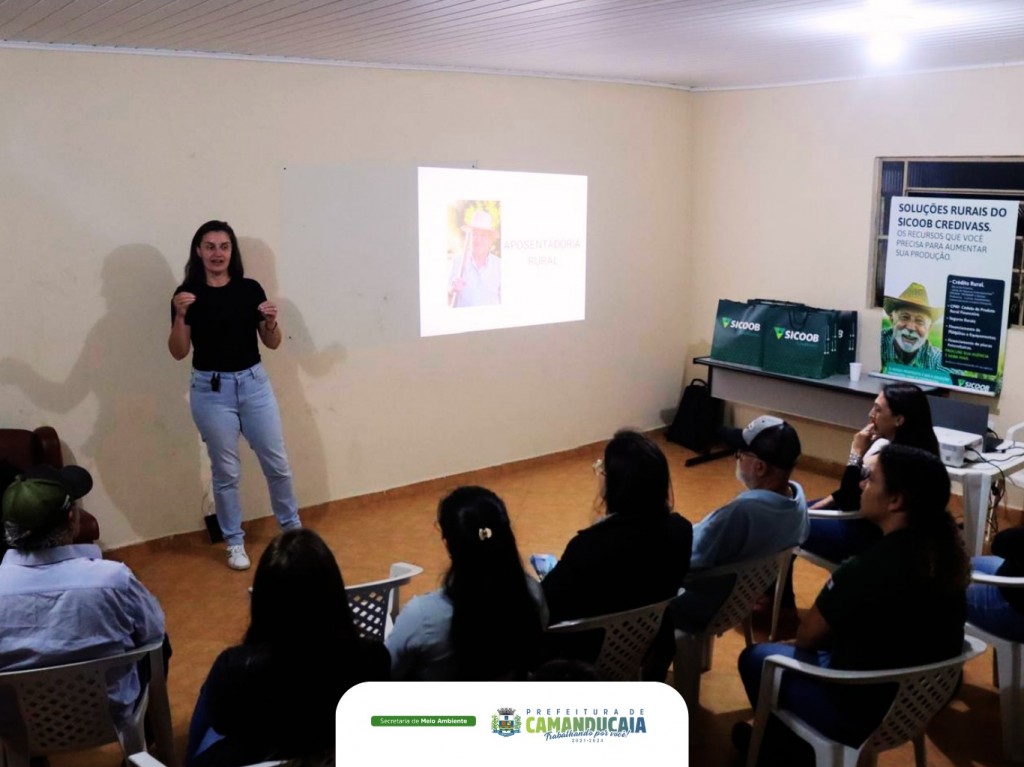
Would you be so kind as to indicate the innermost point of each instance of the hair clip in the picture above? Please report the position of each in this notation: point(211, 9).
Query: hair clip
point(484, 533)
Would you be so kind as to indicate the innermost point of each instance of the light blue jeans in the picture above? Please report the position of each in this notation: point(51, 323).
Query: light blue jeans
point(245, 405)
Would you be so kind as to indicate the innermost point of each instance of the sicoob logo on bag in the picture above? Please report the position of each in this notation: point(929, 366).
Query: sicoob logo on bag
point(741, 325)
point(795, 335)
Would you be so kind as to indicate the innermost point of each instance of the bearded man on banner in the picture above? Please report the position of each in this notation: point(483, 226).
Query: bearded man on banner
point(912, 317)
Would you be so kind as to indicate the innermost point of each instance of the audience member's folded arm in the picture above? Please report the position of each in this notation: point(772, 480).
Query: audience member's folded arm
point(814, 632)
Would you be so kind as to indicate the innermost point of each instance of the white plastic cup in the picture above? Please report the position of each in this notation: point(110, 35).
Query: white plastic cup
point(855, 370)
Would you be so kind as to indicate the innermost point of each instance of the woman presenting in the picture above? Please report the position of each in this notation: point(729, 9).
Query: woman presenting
point(219, 313)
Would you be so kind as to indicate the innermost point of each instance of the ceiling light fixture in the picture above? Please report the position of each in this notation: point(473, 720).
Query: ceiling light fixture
point(887, 25)
point(888, 21)
point(886, 48)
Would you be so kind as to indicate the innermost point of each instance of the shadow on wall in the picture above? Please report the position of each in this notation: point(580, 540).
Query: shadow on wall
point(297, 351)
point(144, 449)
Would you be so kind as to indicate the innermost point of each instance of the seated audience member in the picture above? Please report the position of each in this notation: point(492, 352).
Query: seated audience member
point(993, 608)
point(637, 553)
point(900, 415)
point(274, 695)
point(768, 516)
point(485, 621)
point(900, 603)
point(62, 602)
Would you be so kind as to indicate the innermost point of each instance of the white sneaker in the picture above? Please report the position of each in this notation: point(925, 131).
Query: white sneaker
point(237, 558)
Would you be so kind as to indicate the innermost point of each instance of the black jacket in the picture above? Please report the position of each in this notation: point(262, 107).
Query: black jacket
point(617, 564)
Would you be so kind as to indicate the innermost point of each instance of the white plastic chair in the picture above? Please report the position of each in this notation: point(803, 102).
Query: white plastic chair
point(817, 559)
point(375, 604)
point(1011, 433)
point(694, 650)
point(1008, 673)
point(628, 636)
point(922, 692)
point(65, 708)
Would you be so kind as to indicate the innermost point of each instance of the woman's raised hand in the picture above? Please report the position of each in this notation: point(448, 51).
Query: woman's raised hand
point(269, 311)
point(182, 301)
point(862, 440)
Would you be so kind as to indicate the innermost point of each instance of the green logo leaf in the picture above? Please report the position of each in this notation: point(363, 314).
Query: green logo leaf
point(725, 322)
point(778, 332)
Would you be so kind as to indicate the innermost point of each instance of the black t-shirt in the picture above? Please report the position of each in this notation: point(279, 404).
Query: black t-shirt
point(884, 615)
point(619, 563)
point(224, 322)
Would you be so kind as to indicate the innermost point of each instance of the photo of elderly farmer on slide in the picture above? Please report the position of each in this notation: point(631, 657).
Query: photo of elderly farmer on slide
point(475, 274)
point(907, 337)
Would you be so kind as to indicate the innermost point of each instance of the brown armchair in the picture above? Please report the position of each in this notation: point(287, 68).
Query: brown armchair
point(23, 448)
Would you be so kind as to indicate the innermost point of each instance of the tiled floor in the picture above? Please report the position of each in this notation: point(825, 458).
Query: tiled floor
point(549, 499)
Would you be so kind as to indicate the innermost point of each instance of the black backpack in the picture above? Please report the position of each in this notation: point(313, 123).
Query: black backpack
point(698, 418)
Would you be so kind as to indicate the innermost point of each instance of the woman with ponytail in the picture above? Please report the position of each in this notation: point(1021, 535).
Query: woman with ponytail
point(485, 621)
point(900, 603)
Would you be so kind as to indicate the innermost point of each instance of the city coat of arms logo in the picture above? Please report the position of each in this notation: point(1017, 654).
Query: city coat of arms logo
point(505, 723)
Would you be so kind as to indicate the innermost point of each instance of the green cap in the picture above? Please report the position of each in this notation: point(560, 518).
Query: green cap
point(40, 497)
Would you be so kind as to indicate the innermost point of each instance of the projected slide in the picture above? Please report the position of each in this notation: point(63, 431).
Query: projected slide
point(500, 249)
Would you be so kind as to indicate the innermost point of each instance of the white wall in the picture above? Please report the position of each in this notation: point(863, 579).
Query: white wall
point(109, 162)
point(782, 195)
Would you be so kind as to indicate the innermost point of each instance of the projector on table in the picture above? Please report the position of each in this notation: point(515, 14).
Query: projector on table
point(954, 444)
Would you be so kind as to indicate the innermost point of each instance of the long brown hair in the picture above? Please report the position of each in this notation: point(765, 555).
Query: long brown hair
point(298, 598)
point(921, 480)
point(909, 401)
point(496, 627)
